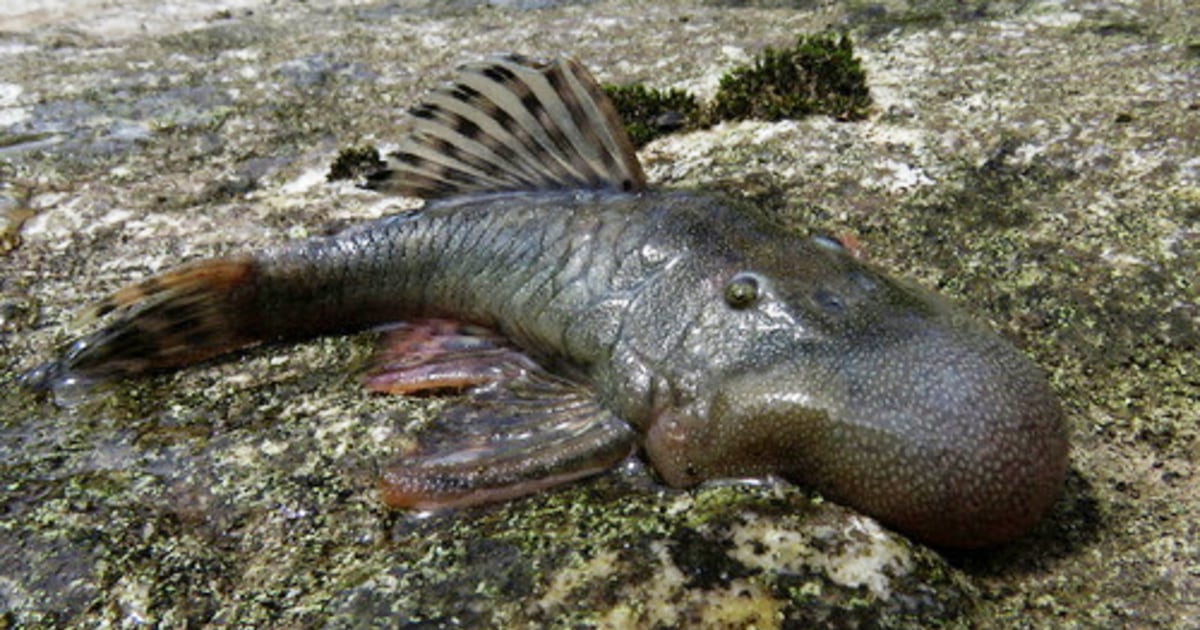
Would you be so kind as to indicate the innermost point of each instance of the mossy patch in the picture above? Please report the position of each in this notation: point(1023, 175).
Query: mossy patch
point(649, 113)
point(355, 162)
point(817, 75)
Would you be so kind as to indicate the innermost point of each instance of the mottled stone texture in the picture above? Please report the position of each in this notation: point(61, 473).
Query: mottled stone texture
point(1036, 161)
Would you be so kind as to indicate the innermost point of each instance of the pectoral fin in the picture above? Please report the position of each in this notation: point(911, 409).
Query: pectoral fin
point(439, 354)
point(518, 429)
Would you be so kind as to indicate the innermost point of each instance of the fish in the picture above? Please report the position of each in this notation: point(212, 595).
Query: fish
point(578, 317)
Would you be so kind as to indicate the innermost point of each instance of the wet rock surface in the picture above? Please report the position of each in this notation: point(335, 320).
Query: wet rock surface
point(1036, 161)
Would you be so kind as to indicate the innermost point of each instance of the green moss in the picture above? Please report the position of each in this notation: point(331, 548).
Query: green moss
point(819, 75)
point(354, 162)
point(649, 113)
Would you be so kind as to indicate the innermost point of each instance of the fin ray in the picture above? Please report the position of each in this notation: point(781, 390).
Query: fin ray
point(511, 124)
point(508, 445)
point(519, 428)
point(441, 354)
point(503, 150)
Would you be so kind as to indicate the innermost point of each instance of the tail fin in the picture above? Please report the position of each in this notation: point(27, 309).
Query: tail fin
point(183, 316)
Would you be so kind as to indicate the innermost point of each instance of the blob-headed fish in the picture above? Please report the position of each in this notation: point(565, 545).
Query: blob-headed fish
point(586, 316)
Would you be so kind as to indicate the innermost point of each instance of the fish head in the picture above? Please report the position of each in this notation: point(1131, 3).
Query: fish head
point(876, 393)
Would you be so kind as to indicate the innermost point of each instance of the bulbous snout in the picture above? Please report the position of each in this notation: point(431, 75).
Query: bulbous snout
point(937, 427)
point(945, 432)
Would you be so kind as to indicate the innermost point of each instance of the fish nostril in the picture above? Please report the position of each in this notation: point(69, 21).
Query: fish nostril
point(863, 281)
point(829, 301)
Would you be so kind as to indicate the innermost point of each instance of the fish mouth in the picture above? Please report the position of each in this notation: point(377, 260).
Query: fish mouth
point(946, 433)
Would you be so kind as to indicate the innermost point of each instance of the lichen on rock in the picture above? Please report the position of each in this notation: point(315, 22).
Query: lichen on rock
point(1037, 162)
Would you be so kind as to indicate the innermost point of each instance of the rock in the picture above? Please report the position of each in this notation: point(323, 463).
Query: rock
point(1035, 161)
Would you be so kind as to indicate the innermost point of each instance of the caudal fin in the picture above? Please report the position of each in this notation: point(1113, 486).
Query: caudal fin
point(183, 316)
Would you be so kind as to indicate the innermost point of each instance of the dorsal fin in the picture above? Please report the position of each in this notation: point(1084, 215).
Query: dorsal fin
point(510, 124)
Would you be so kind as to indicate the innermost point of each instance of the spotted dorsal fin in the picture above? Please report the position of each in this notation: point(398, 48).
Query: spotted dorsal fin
point(513, 124)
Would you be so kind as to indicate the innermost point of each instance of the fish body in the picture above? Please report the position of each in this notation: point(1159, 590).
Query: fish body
point(587, 316)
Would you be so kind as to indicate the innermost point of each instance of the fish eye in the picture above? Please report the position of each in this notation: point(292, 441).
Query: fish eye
point(742, 291)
